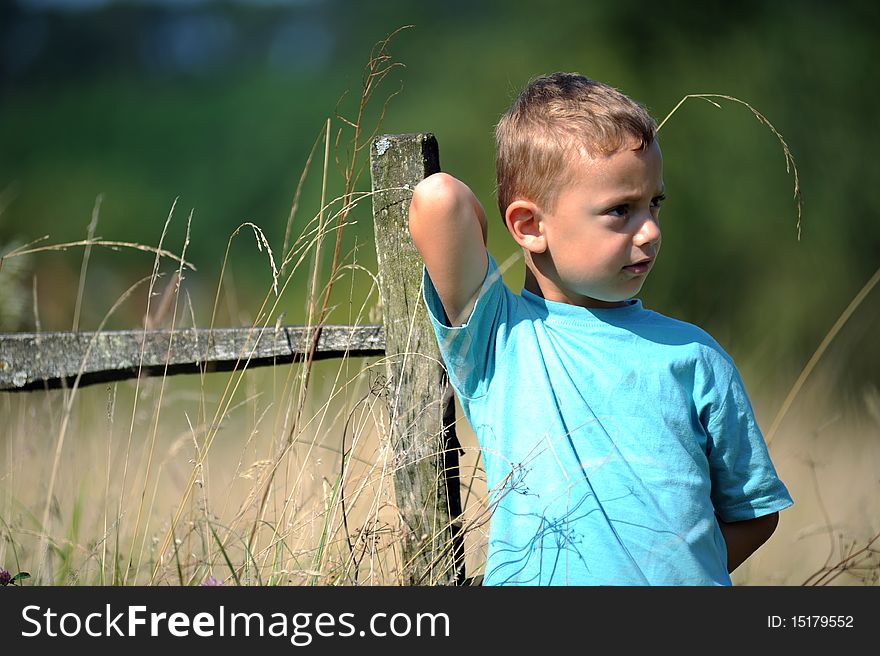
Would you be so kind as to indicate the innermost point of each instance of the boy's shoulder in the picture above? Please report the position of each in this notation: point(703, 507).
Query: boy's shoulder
point(667, 330)
point(710, 368)
point(683, 329)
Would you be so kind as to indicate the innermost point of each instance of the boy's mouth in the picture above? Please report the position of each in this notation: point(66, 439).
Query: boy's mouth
point(640, 267)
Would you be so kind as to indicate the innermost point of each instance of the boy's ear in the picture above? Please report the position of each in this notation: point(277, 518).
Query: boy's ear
point(524, 221)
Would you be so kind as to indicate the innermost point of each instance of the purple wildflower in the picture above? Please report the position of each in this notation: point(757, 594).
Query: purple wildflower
point(211, 581)
point(5, 577)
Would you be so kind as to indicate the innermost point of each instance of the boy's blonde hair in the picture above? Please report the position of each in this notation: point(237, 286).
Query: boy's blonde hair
point(556, 119)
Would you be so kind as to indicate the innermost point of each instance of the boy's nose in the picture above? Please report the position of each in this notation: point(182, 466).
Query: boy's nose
point(648, 232)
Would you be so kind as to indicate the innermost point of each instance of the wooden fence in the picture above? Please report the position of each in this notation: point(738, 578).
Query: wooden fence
point(421, 408)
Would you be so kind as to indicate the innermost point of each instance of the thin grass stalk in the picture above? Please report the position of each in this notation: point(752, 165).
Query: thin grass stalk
point(177, 563)
point(93, 224)
point(111, 413)
point(299, 187)
point(790, 165)
point(112, 245)
point(225, 555)
point(819, 352)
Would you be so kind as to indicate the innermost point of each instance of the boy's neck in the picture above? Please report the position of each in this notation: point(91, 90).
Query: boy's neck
point(546, 289)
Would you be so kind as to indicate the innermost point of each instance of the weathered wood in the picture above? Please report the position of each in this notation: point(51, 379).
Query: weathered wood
point(31, 361)
point(425, 446)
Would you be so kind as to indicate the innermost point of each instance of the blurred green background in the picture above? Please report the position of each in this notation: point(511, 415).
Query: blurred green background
point(218, 104)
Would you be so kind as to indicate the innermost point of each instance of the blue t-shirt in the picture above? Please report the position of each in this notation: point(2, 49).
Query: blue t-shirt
point(610, 439)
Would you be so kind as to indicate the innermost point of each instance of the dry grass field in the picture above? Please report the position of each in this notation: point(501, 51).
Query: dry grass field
point(150, 495)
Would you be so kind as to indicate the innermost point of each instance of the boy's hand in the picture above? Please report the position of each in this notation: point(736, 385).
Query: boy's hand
point(448, 227)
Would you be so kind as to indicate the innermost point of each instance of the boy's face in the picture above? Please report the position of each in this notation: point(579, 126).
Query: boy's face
point(602, 239)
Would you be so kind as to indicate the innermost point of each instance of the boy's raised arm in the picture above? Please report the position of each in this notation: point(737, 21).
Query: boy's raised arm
point(448, 227)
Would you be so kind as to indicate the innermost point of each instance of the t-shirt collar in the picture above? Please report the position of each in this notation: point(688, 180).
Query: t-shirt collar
point(554, 310)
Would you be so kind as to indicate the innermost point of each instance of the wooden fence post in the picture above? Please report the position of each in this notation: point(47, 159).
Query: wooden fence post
point(421, 406)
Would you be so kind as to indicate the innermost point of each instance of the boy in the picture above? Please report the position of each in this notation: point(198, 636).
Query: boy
point(619, 445)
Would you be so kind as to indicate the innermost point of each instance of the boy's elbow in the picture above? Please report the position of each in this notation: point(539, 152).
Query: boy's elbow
point(438, 194)
point(437, 187)
point(436, 198)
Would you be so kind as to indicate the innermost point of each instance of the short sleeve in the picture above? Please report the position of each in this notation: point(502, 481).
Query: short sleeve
point(469, 350)
point(744, 481)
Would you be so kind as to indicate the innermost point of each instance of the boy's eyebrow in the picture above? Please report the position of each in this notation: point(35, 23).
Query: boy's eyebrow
point(628, 198)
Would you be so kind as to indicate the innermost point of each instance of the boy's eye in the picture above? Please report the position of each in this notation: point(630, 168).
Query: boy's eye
point(624, 209)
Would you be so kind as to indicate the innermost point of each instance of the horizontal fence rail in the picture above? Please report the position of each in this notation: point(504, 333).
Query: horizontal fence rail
point(31, 361)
